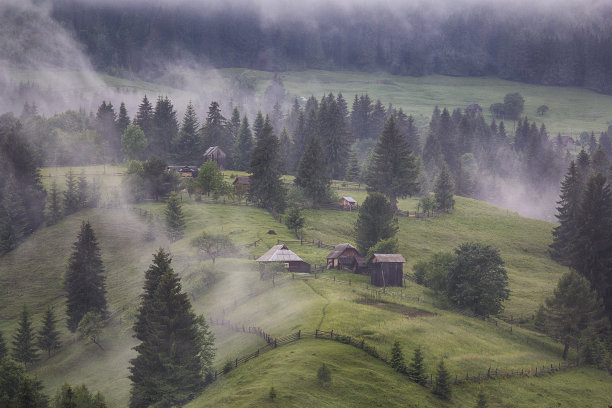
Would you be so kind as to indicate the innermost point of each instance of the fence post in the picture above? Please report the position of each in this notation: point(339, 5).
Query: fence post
point(299, 333)
point(456, 379)
point(331, 335)
point(431, 379)
point(316, 333)
point(236, 362)
point(215, 374)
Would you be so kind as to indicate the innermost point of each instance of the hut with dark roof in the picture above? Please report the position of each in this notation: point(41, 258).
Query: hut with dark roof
point(281, 254)
point(217, 155)
point(387, 270)
point(344, 256)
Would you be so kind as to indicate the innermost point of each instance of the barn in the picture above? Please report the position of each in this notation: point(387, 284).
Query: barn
point(217, 155)
point(344, 256)
point(348, 203)
point(387, 270)
point(281, 254)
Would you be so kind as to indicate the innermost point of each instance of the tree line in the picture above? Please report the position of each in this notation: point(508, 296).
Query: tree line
point(522, 44)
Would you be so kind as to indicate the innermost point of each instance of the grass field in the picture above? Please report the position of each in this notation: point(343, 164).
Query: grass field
point(231, 289)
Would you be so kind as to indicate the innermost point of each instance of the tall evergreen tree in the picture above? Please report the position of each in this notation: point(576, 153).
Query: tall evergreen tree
point(187, 145)
point(416, 369)
point(144, 118)
point(569, 201)
point(377, 120)
point(591, 249)
point(300, 140)
point(444, 190)
point(397, 358)
point(285, 150)
point(244, 146)
point(176, 347)
point(71, 194)
point(106, 125)
point(175, 219)
point(48, 336)
point(376, 221)
point(24, 342)
point(123, 120)
point(3, 349)
point(84, 281)
point(393, 170)
point(258, 125)
point(442, 386)
point(233, 125)
point(266, 187)
point(448, 141)
point(215, 132)
point(353, 169)
point(13, 216)
point(311, 174)
point(333, 137)
point(83, 190)
point(164, 129)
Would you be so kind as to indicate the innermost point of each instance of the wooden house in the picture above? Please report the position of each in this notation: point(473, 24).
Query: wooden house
point(344, 256)
point(185, 171)
point(387, 270)
point(242, 182)
point(217, 155)
point(281, 254)
point(348, 203)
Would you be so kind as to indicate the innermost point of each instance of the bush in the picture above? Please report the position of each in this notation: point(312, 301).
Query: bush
point(228, 366)
point(272, 393)
point(323, 374)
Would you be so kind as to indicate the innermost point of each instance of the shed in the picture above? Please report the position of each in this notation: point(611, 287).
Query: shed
point(348, 203)
point(185, 171)
point(387, 270)
point(344, 256)
point(280, 253)
point(244, 182)
point(217, 155)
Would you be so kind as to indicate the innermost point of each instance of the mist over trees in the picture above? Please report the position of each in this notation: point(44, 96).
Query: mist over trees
point(535, 45)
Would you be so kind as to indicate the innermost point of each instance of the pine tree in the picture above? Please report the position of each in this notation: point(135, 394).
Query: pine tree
point(444, 189)
point(266, 187)
point(48, 336)
point(353, 170)
point(300, 140)
point(233, 125)
point(24, 344)
point(84, 280)
point(164, 129)
point(375, 222)
point(30, 394)
point(215, 132)
point(175, 219)
point(416, 369)
point(393, 171)
point(311, 174)
point(258, 125)
point(442, 386)
point(397, 358)
point(106, 125)
point(285, 149)
point(54, 212)
point(244, 146)
point(187, 145)
point(175, 348)
point(71, 194)
point(83, 190)
point(569, 201)
point(144, 118)
point(3, 350)
point(123, 120)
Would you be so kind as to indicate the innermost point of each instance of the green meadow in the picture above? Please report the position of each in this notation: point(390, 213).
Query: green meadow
point(232, 290)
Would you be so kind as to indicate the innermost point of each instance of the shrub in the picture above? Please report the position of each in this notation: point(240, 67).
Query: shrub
point(323, 374)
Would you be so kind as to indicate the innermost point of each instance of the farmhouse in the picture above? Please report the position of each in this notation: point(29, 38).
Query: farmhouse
point(348, 203)
point(280, 253)
point(217, 155)
point(243, 183)
point(387, 270)
point(344, 256)
point(185, 171)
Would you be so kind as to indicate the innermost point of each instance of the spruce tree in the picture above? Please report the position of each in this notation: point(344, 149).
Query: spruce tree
point(144, 118)
point(83, 190)
point(258, 125)
point(175, 348)
point(442, 385)
point(123, 120)
point(569, 201)
point(84, 281)
point(266, 187)
point(233, 125)
point(416, 369)
point(106, 126)
point(3, 350)
point(244, 146)
point(71, 194)
point(48, 336)
point(187, 145)
point(393, 171)
point(375, 221)
point(30, 394)
point(311, 174)
point(175, 219)
point(165, 127)
point(24, 342)
point(353, 170)
point(397, 358)
point(285, 149)
point(54, 211)
point(214, 131)
point(444, 189)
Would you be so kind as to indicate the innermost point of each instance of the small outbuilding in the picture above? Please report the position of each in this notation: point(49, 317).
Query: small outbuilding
point(281, 254)
point(387, 270)
point(217, 155)
point(242, 182)
point(348, 203)
point(344, 256)
point(185, 171)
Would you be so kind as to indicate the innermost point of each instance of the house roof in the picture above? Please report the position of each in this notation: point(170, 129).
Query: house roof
point(350, 199)
point(393, 258)
point(242, 180)
point(279, 253)
point(213, 149)
point(338, 250)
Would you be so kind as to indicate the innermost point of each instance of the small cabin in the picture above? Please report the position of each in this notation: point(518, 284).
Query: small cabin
point(348, 203)
point(185, 171)
point(344, 256)
point(387, 270)
point(281, 254)
point(217, 155)
point(242, 183)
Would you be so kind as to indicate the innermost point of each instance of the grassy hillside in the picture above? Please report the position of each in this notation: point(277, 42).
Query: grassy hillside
point(231, 290)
